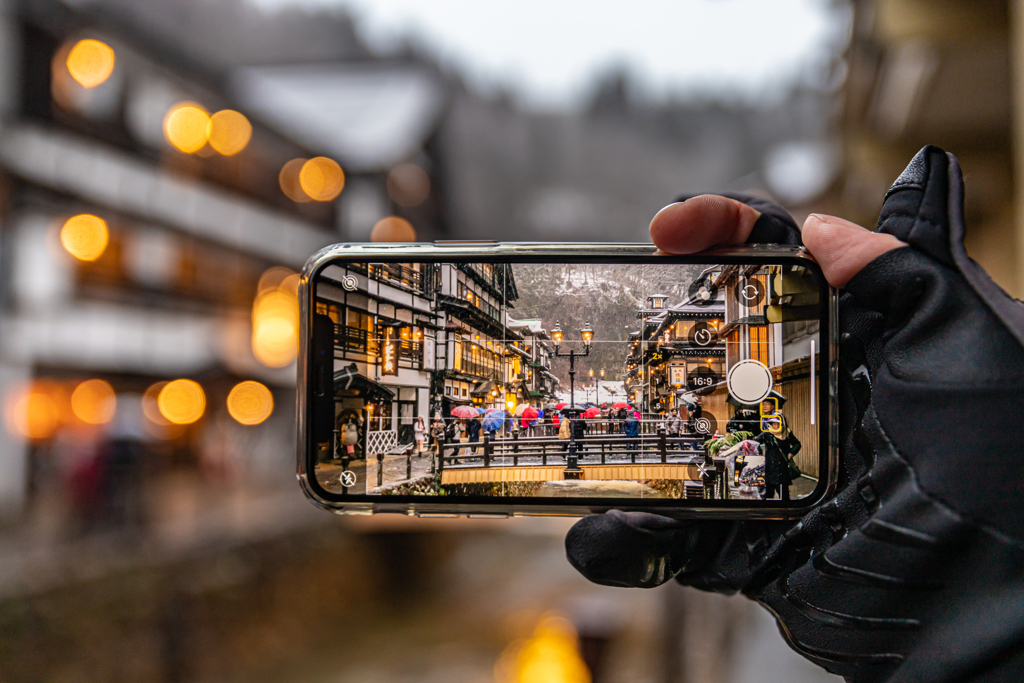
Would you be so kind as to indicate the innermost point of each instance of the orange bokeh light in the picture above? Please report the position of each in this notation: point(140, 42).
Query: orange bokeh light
point(275, 318)
point(182, 401)
point(90, 62)
point(85, 236)
point(32, 411)
point(393, 229)
point(250, 403)
point(551, 653)
point(93, 402)
point(230, 132)
point(322, 179)
point(187, 127)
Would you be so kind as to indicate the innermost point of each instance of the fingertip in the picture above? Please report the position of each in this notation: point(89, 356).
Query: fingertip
point(702, 222)
point(842, 248)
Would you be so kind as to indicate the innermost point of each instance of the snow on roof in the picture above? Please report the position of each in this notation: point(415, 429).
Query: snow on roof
point(535, 325)
point(367, 116)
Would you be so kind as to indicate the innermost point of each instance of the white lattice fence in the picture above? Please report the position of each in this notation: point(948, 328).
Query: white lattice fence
point(380, 442)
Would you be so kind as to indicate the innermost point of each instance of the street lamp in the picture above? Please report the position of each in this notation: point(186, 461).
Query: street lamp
point(572, 467)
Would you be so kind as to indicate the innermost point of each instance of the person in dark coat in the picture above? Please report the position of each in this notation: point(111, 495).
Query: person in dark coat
point(473, 427)
point(632, 429)
point(579, 430)
point(776, 445)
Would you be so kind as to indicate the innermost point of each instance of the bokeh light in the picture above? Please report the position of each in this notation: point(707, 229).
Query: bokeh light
point(322, 179)
point(275, 328)
point(85, 236)
point(32, 411)
point(393, 229)
point(408, 185)
point(230, 132)
point(187, 127)
point(250, 403)
point(182, 401)
point(289, 181)
point(93, 402)
point(550, 655)
point(275, 317)
point(90, 62)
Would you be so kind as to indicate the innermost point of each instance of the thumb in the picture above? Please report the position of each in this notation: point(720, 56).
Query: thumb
point(843, 248)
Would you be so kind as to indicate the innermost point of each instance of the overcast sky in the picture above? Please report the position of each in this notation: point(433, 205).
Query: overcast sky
point(548, 51)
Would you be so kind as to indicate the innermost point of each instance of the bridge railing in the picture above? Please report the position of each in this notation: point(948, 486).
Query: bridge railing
point(646, 448)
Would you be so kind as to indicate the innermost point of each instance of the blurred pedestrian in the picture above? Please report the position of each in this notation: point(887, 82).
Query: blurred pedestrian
point(437, 432)
point(419, 430)
point(674, 426)
point(631, 428)
point(473, 431)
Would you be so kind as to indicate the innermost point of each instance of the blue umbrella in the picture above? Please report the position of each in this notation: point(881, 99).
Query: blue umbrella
point(493, 420)
point(481, 411)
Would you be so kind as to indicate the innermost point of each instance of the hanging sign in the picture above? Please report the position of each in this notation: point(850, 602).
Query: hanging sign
point(389, 353)
point(677, 375)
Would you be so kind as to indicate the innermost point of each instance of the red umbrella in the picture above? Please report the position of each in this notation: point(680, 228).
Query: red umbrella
point(620, 406)
point(559, 406)
point(592, 412)
point(530, 414)
point(464, 411)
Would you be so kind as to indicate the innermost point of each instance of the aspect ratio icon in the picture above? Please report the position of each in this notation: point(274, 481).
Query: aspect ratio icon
point(750, 292)
point(702, 335)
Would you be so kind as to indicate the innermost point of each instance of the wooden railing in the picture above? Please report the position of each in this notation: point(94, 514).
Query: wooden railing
point(517, 451)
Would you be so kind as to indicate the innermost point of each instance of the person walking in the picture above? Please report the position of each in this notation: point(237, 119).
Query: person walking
point(579, 430)
point(473, 430)
point(674, 426)
point(631, 427)
point(437, 435)
point(620, 418)
point(777, 446)
point(563, 431)
point(419, 430)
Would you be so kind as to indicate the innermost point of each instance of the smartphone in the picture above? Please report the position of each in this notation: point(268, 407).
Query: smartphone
point(499, 379)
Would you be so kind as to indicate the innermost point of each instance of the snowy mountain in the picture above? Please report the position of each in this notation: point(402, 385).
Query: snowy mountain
point(607, 295)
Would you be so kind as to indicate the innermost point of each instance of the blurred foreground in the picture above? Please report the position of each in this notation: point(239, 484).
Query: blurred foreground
point(382, 599)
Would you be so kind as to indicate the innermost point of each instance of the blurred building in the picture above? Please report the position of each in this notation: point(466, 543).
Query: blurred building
point(942, 73)
point(134, 254)
point(415, 340)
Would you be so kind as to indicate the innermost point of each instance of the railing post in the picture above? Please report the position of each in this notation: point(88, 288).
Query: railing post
point(440, 455)
point(515, 448)
point(408, 464)
point(663, 445)
point(380, 469)
point(603, 444)
point(487, 450)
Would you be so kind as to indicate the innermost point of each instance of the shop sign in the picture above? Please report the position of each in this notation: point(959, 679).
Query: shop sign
point(389, 353)
point(677, 375)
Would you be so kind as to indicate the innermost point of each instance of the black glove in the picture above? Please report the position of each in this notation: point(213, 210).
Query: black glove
point(914, 571)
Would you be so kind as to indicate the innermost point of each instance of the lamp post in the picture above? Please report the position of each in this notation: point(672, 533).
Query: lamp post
point(572, 467)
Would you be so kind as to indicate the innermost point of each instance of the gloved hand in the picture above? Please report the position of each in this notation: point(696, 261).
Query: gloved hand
point(914, 571)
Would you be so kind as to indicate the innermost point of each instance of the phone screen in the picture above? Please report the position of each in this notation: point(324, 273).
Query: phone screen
point(668, 383)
